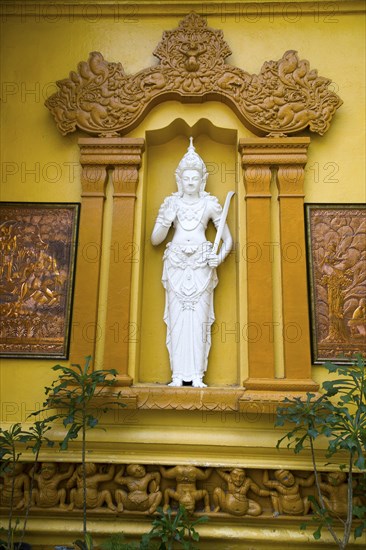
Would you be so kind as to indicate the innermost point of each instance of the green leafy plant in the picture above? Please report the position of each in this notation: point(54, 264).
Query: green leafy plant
point(339, 414)
point(9, 455)
point(118, 542)
point(10, 441)
point(75, 396)
point(86, 544)
point(171, 528)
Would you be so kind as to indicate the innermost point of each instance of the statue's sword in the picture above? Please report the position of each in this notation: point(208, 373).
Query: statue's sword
point(222, 222)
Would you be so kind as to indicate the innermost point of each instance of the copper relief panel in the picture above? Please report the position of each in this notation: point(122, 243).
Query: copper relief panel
point(336, 236)
point(38, 242)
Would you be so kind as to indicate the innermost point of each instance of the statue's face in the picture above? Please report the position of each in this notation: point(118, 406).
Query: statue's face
point(48, 470)
point(191, 182)
point(90, 469)
point(286, 478)
point(139, 471)
point(238, 477)
point(336, 478)
point(15, 469)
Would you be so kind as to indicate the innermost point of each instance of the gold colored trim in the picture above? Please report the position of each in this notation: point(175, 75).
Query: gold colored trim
point(130, 11)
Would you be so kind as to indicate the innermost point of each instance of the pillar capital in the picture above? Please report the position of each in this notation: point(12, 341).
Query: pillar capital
point(274, 151)
point(257, 181)
point(111, 151)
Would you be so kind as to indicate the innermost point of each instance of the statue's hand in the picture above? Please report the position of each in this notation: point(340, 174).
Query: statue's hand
point(213, 260)
point(170, 215)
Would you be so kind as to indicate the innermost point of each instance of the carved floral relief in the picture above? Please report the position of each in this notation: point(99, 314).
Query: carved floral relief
point(337, 271)
point(285, 97)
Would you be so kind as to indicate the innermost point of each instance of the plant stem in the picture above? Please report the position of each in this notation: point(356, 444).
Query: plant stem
point(83, 456)
point(347, 529)
point(29, 503)
point(320, 496)
point(13, 456)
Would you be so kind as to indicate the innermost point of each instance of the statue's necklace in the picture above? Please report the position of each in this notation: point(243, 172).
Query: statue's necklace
point(190, 214)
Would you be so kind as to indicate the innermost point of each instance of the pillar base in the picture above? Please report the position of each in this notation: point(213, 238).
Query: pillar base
point(265, 396)
point(123, 380)
point(281, 384)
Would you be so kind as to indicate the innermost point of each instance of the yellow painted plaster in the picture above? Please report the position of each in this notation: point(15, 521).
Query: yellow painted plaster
point(38, 164)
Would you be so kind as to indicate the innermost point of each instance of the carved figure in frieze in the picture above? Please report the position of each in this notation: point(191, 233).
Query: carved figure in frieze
point(48, 495)
point(335, 498)
point(143, 493)
point(234, 500)
point(286, 497)
point(14, 486)
point(95, 498)
point(189, 272)
point(186, 492)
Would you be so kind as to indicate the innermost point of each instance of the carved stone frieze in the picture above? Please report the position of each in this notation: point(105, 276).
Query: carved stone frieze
point(285, 97)
point(135, 488)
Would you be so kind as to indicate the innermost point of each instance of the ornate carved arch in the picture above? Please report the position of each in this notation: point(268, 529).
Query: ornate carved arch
point(285, 97)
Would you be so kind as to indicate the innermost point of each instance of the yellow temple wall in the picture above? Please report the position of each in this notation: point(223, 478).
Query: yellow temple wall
point(41, 44)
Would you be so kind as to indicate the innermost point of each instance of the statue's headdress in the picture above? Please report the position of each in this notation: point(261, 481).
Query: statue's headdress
point(191, 161)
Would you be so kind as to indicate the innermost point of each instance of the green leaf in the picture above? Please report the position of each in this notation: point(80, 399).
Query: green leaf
point(318, 533)
point(359, 530)
point(92, 422)
point(68, 420)
point(89, 541)
point(360, 462)
point(359, 511)
point(313, 432)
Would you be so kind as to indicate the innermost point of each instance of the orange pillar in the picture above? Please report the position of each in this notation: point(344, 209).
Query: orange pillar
point(296, 341)
point(85, 308)
point(257, 180)
point(119, 331)
point(287, 156)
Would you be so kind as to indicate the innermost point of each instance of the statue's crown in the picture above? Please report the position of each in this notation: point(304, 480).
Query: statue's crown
point(191, 161)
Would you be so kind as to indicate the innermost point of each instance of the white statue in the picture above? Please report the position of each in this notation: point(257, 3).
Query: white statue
point(189, 273)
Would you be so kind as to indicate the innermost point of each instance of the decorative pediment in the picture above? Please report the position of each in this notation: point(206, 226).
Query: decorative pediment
point(285, 97)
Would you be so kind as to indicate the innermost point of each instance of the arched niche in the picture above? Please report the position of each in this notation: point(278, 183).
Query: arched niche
point(164, 149)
